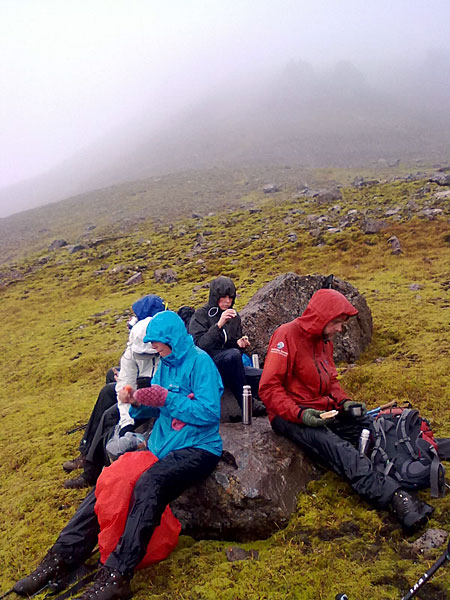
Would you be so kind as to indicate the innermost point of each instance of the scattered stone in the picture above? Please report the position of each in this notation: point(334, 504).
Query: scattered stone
point(271, 188)
point(76, 248)
point(255, 499)
point(328, 196)
point(432, 538)
point(333, 230)
point(393, 211)
point(445, 195)
point(134, 279)
point(395, 245)
point(196, 216)
point(286, 297)
point(253, 211)
point(292, 237)
point(370, 226)
point(432, 213)
point(234, 553)
point(165, 276)
point(57, 244)
point(440, 178)
point(415, 287)
point(200, 261)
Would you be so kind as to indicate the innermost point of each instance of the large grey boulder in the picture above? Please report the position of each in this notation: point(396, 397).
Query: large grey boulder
point(251, 496)
point(286, 297)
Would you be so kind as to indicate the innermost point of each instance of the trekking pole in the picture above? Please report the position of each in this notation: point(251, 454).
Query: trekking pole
point(69, 431)
point(7, 593)
point(375, 411)
point(428, 574)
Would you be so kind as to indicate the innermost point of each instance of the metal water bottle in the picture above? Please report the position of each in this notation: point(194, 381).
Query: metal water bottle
point(363, 441)
point(247, 405)
point(255, 361)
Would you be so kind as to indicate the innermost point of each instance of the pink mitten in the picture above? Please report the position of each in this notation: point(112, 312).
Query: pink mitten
point(154, 395)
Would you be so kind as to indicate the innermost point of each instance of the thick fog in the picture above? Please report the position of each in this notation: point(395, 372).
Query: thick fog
point(98, 91)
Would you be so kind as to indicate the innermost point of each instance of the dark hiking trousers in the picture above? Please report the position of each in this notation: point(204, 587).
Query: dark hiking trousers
point(334, 447)
point(106, 398)
point(158, 486)
point(234, 375)
point(104, 417)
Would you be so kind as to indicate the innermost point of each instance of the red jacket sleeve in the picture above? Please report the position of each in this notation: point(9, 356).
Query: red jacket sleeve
point(337, 393)
point(272, 390)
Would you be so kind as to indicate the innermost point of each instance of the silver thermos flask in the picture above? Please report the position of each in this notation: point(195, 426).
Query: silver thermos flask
point(363, 441)
point(247, 405)
point(255, 361)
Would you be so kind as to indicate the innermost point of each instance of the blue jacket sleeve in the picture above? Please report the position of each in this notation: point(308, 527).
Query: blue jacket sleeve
point(206, 384)
point(144, 412)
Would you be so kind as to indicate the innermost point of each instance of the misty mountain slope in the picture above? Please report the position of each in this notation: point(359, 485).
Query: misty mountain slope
point(300, 116)
point(119, 209)
point(64, 324)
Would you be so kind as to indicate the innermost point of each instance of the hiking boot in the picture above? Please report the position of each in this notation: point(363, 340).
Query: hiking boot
point(77, 483)
point(51, 568)
point(73, 465)
point(109, 584)
point(410, 511)
point(258, 408)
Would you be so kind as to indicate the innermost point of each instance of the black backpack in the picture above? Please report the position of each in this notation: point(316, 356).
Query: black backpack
point(405, 449)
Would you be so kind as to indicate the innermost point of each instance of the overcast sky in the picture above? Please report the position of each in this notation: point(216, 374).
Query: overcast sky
point(73, 70)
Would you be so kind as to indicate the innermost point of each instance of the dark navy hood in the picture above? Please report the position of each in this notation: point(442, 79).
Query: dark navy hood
point(220, 287)
point(148, 306)
point(168, 328)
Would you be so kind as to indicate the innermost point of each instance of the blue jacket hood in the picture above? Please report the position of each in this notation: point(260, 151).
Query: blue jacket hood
point(148, 306)
point(168, 328)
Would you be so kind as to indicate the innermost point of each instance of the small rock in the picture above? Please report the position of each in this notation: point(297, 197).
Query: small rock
point(433, 538)
point(440, 178)
point(373, 226)
point(76, 248)
point(395, 245)
point(134, 279)
point(57, 244)
point(235, 553)
point(165, 276)
point(327, 196)
point(271, 188)
point(292, 237)
point(415, 286)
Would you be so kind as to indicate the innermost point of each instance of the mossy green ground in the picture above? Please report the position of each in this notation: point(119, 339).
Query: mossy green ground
point(56, 347)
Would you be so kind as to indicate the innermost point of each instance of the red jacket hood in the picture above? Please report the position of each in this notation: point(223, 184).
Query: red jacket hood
point(324, 306)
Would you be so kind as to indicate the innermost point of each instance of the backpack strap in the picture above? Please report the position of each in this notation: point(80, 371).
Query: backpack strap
point(437, 475)
point(380, 444)
point(405, 423)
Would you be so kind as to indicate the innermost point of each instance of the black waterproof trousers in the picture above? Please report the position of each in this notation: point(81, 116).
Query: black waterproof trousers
point(106, 398)
point(335, 447)
point(234, 374)
point(155, 489)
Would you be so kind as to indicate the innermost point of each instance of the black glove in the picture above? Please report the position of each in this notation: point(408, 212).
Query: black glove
point(125, 430)
point(354, 409)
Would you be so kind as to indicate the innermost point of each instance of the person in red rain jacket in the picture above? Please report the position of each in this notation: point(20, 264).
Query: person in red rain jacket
point(299, 384)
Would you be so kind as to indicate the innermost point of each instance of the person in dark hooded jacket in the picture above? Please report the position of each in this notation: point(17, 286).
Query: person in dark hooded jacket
point(217, 329)
point(299, 387)
point(185, 400)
